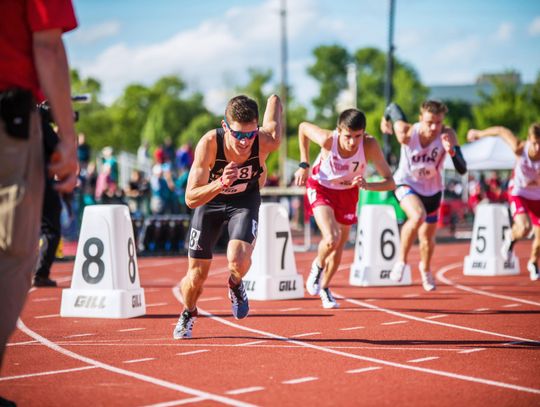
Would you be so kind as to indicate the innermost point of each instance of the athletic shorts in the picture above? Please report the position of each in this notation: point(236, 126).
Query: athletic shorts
point(342, 201)
point(519, 205)
point(431, 203)
point(239, 215)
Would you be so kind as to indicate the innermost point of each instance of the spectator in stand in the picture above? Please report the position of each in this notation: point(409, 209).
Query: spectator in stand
point(184, 157)
point(83, 151)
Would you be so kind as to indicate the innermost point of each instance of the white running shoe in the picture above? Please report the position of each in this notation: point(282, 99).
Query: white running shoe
point(313, 282)
point(428, 281)
point(533, 271)
point(507, 246)
point(328, 300)
point(397, 271)
point(183, 328)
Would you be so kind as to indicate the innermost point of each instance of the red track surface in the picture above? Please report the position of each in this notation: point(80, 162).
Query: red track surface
point(471, 342)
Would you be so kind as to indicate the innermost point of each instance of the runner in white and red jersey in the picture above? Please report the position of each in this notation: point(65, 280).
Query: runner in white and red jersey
point(419, 183)
point(332, 188)
point(525, 191)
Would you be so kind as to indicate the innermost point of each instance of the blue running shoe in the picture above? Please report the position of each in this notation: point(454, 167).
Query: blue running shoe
point(239, 301)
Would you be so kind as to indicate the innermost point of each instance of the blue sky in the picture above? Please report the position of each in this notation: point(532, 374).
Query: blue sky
point(212, 43)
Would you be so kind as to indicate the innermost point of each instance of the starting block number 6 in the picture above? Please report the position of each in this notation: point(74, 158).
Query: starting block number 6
point(386, 246)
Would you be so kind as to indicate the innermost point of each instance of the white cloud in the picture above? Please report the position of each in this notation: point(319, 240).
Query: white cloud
point(534, 27)
point(88, 35)
point(458, 51)
point(504, 31)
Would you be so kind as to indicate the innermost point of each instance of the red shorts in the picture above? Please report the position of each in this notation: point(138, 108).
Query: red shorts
point(342, 201)
point(519, 205)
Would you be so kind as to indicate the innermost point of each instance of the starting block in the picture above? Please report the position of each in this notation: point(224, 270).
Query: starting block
point(376, 248)
point(485, 258)
point(273, 275)
point(105, 282)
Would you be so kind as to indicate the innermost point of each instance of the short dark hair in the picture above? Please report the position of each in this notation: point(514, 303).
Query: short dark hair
point(242, 109)
point(352, 119)
point(434, 106)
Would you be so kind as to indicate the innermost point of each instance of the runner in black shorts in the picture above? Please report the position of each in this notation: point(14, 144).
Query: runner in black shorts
point(223, 187)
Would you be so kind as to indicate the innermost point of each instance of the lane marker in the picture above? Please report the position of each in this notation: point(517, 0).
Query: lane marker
point(130, 329)
point(300, 380)
point(511, 305)
point(21, 343)
point(306, 334)
point(45, 299)
point(442, 373)
point(157, 304)
point(245, 390)
point(47, 316)
point(78, 335)
point(365, 369)
point(352, 328)
point(138, 360)
point(472, 350)
point(290, 309)
point(251, 343)
point(149, 379)
point(480, 309)
point(394, 322)
point(423, 359)
point(50, 372)
point(410, 295)
point(445, 269)
point(178, 402)
point(193, 352)
point(437, 316)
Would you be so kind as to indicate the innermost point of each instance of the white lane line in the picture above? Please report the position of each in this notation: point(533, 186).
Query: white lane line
point(47, 316)
point(441, 277)
point(209, 299)
point(21, 343)
point(511, 305)
point(410, 295)
point(130, 329)
point(472, 350)
point(437, 316)
point(480, 309)
point(290, 309)
point(300, 380)
point(78, 335)
point(306, 334)
point(193, 352)
point(180, 402)
point(45, 299)
point(371, 299)
point(394, 322)
point(50, 372)
point(245, 390)
point(138, 360)
point(251, 343)
point(364, 369)
point(447, 292)
point(352, 328)
point(423, 359)
point(176, 293)
point(157, 304)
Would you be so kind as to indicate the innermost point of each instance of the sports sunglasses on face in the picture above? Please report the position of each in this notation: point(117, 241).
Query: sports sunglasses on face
point(239, 135)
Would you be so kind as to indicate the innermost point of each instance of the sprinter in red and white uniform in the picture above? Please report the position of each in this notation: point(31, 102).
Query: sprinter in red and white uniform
point(524, 194)
point(419, 183)
point(333, 186)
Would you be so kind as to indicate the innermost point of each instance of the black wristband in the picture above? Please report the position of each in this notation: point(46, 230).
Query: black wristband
point(304, 165)
point(393, 112)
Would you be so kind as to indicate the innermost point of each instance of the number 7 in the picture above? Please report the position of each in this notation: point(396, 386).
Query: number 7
point(284, 235)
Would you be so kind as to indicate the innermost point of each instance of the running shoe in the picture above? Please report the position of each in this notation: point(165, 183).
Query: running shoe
point(396, 274)
point(507, 246)
point(328, 300)
point(239, 300)
point(313, 284)
point(533, 271)
point(428, 281)
point(183, 328)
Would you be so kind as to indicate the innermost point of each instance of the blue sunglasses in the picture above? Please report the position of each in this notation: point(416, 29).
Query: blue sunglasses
point(239, 135)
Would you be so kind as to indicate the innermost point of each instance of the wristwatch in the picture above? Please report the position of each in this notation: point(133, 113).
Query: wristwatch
point(304, 165)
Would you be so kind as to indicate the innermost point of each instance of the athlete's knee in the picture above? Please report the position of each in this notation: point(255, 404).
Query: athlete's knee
point(332, 240)
point(417, 219)
point(522, 229)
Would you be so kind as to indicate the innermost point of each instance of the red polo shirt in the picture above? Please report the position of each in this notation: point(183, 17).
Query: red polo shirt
point(19, 19)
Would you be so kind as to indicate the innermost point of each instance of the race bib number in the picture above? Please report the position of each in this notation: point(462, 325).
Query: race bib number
point(235, 189)
point(424, 172)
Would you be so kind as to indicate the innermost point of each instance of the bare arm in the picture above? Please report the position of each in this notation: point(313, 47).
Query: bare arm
point(53, 73)
point(198, 190)
point(515, 144)
point(272, 126)
point(375, 155)
point(306, 132)
point(394, 121)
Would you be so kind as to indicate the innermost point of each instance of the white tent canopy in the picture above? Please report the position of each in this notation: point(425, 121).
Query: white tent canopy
point(488, 153)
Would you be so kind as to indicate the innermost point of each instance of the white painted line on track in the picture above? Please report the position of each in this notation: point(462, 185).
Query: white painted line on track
point(47, 316)
point(480, 309)
point(511, 305)
point(307, 344)
point(394, 322)
point(157, 304)
point(251, 343)
point(370, 300)
point(130, 329)
point(21, 343)
point(445, 269)
point(45, 299)
point(352, 328)
point(149, 379)
point(437, 316)
point(245, 390)
point(193, 352)
point(78, 335)
point(50, 372)
point(364, 369)
point(423, 359)
point(290, 309)
point(410, 295)
point(306, 334)
point(138, 360)
point(180, 402)
point(300, 380)
point(472, 350)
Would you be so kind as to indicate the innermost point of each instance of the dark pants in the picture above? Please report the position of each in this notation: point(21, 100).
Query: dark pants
point(50, 230)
